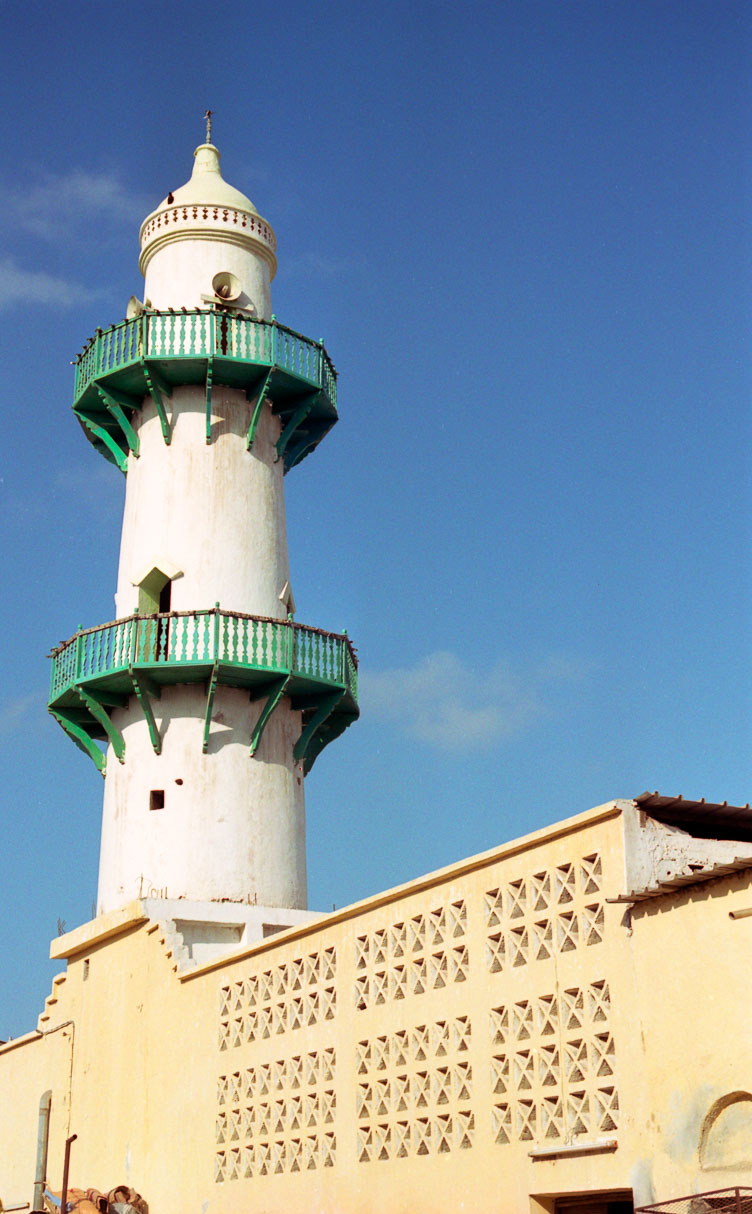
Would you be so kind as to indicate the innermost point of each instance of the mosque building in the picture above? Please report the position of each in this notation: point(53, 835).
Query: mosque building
point(557, 1024)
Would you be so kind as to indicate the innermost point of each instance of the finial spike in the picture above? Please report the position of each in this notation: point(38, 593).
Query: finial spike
point(208, 117)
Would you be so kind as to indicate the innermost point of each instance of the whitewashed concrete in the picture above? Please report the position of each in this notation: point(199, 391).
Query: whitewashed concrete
point(232, 827)
point(214, 510)
point(206, 930)
point(180, 273)
point(205, 227)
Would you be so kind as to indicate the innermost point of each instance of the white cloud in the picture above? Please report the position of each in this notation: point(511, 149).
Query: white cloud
point(63, 207)
point(446, 703)
point(59, 202)
point(21, 286)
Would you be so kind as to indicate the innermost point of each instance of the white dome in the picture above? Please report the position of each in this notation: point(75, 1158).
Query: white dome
point(206, 208)
point(207, 186)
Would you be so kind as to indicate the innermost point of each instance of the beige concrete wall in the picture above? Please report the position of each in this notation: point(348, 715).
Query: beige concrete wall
point(29, 1067)
point(482, 1040)
point(691, 1040)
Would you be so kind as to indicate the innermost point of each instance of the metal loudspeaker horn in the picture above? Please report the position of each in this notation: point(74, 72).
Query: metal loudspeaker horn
point(226, 286)
point(135, 308)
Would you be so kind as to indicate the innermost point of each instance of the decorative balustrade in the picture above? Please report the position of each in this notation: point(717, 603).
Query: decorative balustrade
point(180, 640)
point(205, 334)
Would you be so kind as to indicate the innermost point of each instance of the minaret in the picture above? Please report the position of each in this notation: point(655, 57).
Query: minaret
point(212, 700)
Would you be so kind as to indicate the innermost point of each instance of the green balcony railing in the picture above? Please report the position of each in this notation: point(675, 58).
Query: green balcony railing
point(100, 668)
point(148, 356)
point(205, 334)
point(200, 638)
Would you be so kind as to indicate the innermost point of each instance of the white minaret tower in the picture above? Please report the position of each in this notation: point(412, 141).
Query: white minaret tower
point(212, 700)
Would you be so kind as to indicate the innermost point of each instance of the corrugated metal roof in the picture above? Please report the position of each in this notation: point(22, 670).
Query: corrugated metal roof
point(703, 819)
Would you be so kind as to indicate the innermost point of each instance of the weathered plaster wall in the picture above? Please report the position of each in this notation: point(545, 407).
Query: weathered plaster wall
point(491, 1032)
point(29, 1067)
point(691, 1036)
point(656, 852)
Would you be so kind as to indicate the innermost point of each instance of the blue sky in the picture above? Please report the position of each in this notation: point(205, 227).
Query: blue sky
point(523, 230)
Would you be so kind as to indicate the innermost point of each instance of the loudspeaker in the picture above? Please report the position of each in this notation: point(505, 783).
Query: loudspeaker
point(135, 308)
point(226, 286)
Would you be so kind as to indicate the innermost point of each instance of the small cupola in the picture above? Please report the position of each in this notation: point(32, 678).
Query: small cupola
point(203, 229)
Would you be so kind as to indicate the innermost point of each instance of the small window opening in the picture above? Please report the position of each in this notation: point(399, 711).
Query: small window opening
point(156, 798)
point(86, 969)
point(165, 598)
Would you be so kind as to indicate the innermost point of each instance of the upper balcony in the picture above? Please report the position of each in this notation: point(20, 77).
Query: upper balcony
point(101, 668)
point(151, 354)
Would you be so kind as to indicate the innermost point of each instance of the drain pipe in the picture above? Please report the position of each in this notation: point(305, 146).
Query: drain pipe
point(66, 1166)
point(43, 1138)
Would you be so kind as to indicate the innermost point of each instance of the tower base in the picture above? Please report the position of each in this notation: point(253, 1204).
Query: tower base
point(206, 930)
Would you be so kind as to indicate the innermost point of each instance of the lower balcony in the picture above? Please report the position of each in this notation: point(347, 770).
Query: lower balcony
point(100, 668)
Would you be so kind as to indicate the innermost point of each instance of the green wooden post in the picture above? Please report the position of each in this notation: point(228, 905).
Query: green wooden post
point(134, 639)
point(291, 644)
point(78, 652)
point(216, 632)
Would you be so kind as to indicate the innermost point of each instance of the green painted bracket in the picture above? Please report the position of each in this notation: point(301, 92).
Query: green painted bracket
point(157, 378)
point(157, 385)
point(142, 686)
point(258, 407)
point(295, 454)
point(209, 378)
point(100, 714)
point(118, 455)
point(300, 414)
point(326, 708)
point(327, 731)
point(209, 705)
point(277, 691)
point(116, 409)
point(307, 444)
point(79, 735)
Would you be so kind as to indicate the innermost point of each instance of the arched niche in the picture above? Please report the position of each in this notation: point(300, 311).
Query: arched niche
point(726, 1137)
point(154, 586)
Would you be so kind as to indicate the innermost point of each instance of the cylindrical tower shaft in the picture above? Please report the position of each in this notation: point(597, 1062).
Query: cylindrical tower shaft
point(212, 700)
point(210, 516)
